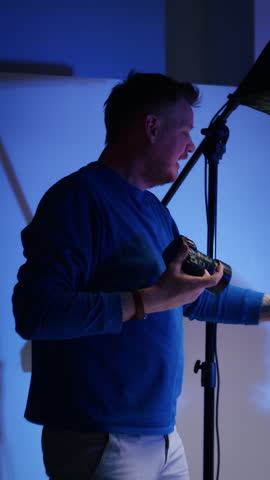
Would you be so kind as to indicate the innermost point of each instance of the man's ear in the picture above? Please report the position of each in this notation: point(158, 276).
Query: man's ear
point(151, 127)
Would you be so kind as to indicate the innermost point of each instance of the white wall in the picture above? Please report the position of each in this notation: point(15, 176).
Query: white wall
point(52, 127)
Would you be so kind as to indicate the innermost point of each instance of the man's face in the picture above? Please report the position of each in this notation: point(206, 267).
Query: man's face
point(172, 142)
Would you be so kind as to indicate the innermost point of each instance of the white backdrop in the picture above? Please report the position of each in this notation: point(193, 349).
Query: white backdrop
point(52, 126)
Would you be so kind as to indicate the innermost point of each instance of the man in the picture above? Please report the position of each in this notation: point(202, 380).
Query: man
point(103, 311)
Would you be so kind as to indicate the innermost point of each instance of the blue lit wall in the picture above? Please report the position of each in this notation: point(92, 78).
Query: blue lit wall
point(96, 38)
point(51, 128)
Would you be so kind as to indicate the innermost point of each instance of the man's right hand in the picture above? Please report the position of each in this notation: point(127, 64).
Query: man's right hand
point(173, 289)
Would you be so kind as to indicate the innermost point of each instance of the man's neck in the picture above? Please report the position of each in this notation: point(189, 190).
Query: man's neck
point(127, 164)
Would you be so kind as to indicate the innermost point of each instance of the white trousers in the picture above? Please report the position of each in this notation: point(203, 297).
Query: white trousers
point(101, 456)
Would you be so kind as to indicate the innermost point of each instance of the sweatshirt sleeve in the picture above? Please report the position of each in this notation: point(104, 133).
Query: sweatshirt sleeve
point(234, 305)
point(52, 299)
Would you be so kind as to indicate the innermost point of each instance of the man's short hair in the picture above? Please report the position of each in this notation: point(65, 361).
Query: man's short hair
point(142, 93)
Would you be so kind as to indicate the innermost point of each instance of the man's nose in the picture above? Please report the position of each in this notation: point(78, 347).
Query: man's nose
point(191, 147)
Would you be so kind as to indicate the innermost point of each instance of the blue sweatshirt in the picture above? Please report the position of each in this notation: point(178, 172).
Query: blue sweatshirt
point(94, 236)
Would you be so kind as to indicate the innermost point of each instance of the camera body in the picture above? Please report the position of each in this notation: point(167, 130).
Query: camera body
point(196, 263)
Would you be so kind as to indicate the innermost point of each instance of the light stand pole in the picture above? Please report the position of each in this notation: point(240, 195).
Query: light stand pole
point(216, 137)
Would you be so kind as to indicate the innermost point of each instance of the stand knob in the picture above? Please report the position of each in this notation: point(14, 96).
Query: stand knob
point(198, 366)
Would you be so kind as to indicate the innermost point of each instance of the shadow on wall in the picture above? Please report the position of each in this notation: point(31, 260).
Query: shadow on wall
point(26, 361)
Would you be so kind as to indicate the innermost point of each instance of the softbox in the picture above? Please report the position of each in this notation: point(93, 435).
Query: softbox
point(254, 90)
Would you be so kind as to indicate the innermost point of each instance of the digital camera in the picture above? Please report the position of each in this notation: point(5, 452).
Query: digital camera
point(196, 263)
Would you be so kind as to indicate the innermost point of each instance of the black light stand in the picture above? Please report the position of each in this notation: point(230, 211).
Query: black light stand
point(254, 91)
